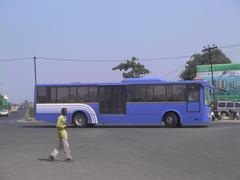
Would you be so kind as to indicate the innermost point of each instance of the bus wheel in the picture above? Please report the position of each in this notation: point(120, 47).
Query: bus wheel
point(171, 120)
point(79, 120)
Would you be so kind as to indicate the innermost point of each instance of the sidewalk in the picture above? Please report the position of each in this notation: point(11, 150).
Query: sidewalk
point(27, 120)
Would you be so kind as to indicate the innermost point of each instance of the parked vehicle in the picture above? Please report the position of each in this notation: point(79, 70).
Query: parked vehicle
point(215, 114)
point(224, 106)
point(3, 112)
point(233, 115)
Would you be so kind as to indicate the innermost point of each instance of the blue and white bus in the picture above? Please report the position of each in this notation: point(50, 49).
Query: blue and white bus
point(130, 102)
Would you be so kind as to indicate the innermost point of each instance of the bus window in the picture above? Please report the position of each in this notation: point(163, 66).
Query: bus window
point(92, 91)
point(159, 93)
point(150, 93)
point(62, 94)
point(82, 94)
point(53, 95)
point(137, 93)
point(179, 92)
point(72, 94)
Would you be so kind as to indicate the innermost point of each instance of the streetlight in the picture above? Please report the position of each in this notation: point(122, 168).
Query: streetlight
point(208, 50)
point(35, 69)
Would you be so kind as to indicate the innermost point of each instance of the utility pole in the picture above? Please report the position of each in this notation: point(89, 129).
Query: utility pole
point(208, 50)
point(35, 69)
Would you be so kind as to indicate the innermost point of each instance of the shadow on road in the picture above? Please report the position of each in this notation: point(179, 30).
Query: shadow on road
point(47, 160)
point(37, 126)
point(110, 126)
point(44, 159)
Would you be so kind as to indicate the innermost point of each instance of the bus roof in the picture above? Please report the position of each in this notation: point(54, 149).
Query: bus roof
point(140, 81)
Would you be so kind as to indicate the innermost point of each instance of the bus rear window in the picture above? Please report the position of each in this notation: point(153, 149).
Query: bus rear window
point(42, 94)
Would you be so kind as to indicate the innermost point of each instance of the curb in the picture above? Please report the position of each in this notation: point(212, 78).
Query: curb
point(226, 121)
point(32, 120)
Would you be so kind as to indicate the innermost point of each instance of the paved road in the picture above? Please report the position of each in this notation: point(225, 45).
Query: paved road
point(119, 153)
point(15, 116)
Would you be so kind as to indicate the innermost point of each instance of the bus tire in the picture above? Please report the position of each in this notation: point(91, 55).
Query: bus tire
point(79, 120)
point(171, 120)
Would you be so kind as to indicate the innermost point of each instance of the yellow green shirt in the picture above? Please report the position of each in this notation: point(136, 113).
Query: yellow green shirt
point(61, 130)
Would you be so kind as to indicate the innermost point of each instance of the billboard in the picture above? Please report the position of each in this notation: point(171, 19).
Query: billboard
point(226, 78)
point(4, 103)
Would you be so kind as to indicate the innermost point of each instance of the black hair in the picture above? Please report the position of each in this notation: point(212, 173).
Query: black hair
point(63, 109)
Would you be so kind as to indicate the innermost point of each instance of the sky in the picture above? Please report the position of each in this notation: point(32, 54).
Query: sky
point(109, 30)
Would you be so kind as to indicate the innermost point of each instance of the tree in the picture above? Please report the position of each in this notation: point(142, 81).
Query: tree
point(132, 69)
point(218, 57)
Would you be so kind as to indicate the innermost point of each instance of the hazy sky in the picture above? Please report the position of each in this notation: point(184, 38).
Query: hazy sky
point(107, 29)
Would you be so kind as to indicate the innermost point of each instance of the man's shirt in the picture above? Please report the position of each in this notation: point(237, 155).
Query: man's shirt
point(61, 124)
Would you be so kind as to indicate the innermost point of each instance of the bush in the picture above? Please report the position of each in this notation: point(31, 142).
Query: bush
point(31, 112)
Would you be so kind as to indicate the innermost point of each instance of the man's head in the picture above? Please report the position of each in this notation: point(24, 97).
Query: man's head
point(64, 111)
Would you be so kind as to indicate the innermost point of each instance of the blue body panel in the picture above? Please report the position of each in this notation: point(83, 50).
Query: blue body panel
point(140, 113)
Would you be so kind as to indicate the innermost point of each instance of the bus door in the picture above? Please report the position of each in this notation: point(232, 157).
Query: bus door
point(193, 98)
point(112, 99)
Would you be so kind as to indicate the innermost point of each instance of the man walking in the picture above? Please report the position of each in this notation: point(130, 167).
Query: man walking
point(62, 136)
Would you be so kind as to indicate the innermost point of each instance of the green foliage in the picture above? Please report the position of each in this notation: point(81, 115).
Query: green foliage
point(132, 69)
point(31, 112)
point(218, 57)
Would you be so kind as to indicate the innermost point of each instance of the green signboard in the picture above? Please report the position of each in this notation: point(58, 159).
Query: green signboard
point(4, 103)
point(226, 79)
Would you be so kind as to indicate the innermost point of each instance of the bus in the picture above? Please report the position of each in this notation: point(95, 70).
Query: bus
point(136, 101)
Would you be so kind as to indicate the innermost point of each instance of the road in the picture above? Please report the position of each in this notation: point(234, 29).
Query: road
point(119, 153)
point(13, 117)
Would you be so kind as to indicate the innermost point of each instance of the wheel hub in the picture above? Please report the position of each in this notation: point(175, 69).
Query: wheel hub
point(169, 120)
point(79, 120)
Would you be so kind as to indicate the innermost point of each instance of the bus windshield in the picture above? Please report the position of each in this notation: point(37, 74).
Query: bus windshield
point(207, 100)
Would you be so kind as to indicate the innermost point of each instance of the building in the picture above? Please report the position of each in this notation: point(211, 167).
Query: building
point(226, 79)
point(14, 107)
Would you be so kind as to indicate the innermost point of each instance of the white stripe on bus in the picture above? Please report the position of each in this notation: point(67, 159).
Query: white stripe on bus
point(51, 108)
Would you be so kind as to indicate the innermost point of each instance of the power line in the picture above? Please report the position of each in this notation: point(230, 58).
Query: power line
point(94, 60)
point(109, 60)
point(229, 46)
point(166, 58)
point(113, 60)
point(139, 59)
point(16, 59)
point(77, 60)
